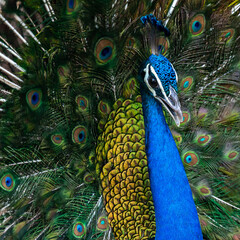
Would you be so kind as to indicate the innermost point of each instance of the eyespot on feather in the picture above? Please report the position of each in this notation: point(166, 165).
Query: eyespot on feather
point(204, 190)
point(186, 83)
point(57, 139)
point(197, 25)
point(191, 158)
point(103, 108)
point(163, 45)
point(102, 224)
point(130, 87)
point(203, 140)
point(130, 42)
point(79, 135)
point(82, 102)
point(177, 138)
point(34, 98)
point(226, 35)
point(7, 182)
point(71, 5)
point(79, 230)
point(231, 155)
point(88, 178)
point(104, 50)
point(186, 118)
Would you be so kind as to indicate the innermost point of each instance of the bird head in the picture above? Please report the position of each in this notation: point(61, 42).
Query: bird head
point(159, 78)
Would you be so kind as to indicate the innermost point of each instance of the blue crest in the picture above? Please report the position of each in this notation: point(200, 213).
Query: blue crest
point(165, 71)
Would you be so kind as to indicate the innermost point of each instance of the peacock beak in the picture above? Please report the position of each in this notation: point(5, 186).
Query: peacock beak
point(172, 104)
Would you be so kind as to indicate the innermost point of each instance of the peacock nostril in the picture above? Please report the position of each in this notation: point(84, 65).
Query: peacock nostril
point(171, 99)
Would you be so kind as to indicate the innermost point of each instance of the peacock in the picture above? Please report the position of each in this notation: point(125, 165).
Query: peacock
point(120, 119)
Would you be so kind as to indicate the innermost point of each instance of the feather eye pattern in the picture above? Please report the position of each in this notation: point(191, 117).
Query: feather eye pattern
point(82, 102)
point(104, 50)
point(7, 182)
point(57, 139)
point(79, 135)
point(197, 25)
point(73, 162)
point(79, 230)
point(34, 98)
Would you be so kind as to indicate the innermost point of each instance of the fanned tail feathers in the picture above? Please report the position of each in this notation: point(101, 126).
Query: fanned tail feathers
point(69, 97)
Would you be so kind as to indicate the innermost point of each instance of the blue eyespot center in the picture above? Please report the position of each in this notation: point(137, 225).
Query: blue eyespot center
point(81, 136)
point(71, 4)
point(228, 35)
point(106, 53)
point(202, 139)
point(8, 181)
point(196, 26)
point(186, 84)
point(79, 228)
point(35, 98)
point(82, 103)
point(102, 222)
point(188, 159)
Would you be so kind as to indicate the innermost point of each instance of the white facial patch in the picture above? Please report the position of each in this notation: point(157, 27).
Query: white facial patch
point(146, 70)
point(175, 73)
point(158, 80)
point(170, 102)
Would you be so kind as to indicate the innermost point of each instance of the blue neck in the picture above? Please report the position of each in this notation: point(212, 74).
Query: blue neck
point(176, 215)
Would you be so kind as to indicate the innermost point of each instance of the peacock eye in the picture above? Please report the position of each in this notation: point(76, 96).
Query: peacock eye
point(7, 182)
point(153, 82)
point(79, 230)
point(34, 98)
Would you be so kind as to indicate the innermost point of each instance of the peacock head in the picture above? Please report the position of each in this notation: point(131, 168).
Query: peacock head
point(160, 79)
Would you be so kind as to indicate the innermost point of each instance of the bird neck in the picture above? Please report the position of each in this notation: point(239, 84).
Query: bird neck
point(176, 215)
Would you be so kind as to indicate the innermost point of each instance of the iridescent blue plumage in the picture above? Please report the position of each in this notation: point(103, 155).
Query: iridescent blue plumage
point(175, 211)
point(196, 26)
point(35, 98)
point(158, 24)
point(8, 181)
point(106, 53)
point(71, 4)
point(79, 228)
point(81, 136)
point(165, 71)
